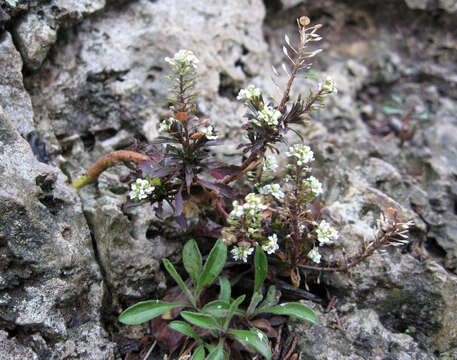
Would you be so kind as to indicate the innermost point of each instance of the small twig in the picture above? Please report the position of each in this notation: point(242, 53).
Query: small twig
point(150, 350)
point(292, 348)
point(330, 304)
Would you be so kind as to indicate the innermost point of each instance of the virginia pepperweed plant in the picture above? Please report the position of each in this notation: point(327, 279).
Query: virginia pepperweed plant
point(276, 218)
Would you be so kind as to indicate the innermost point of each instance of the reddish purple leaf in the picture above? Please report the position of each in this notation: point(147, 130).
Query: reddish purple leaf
point(179, 202)
point(181, 220)
point(217, 175)
point(222, 189)
point(151, 169)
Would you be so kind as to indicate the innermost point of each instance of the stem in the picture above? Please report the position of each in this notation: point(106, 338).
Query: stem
point(248, 165)
point(358, 258)
point(106, 162)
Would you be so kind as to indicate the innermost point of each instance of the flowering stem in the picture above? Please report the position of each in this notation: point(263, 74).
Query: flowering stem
point(106, 162)
point(380, 241)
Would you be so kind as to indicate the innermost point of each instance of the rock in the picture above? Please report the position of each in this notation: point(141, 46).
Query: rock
point(362, 336)
point(11, 349)
point(37, 31)
point(34, 37)
point(447, 5)
point(14, 99)
point(50, 283)
point(286, 4)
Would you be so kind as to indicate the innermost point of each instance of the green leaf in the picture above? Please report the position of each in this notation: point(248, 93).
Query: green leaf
point(185, 329)
point(270, 298)
point(213, 266)
point(192, 260)
point(226, 289)
point(261, 268)
point(147, 310)
point(216, 308)
point(256, 298)
point(233, 307)
point(255, 339)
point(199, 354)
point(172, 271)
point(203, 320)
point(217, 353)
point(294, 309)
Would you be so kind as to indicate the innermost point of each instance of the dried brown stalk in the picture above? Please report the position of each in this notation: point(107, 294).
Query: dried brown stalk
point(106, 162)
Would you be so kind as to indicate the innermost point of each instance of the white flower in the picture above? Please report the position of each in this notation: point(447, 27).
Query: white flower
point(166, 124)
point(313, 185)
point(270, 163)
point(267, 116)
point(140, 189)
point(241, 252)
point(328, 87)
point(302, 153)
point(326, 234)
point(209, 133)
point(183, 60)
point(251, 93)
point(272, 189)
point(271, 245)
point(314, 255)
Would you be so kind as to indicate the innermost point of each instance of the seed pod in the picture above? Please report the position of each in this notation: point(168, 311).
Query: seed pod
point(304, 20)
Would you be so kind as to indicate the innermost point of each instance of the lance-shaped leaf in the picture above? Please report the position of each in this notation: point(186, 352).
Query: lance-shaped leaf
point(255, 339)
point(217, 353)
point(185, 329)
point(147, 310)
point(226, 289)
point(172, 271)
point(270, 298)
point(199, 354)
point(233, 308)
point(151, 169)
point(192, 260)
point(222, 189)
point(260, 267)
point(179, 203)
point(203, 320)
point(294, 309)
point(213, 266)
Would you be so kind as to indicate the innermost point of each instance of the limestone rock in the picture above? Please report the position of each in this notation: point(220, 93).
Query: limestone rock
point(50, 282)
point(14, 99)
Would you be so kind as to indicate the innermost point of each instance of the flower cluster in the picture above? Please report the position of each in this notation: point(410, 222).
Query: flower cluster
point(167, 124)
point(250, 212)
point(272, 189)
point(251, 93)
point(141, 189)
point(241, 252)
point(313, 185)
point(302, 153)
point(270, 246)
point(314, 255)
point(270, 163)
point(267, 116)
point(326, 234)
point(327, 87)
point(183, 61)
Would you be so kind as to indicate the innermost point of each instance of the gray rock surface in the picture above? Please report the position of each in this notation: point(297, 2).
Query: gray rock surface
point(50, 283)
point(101, 81)
point(14, 99)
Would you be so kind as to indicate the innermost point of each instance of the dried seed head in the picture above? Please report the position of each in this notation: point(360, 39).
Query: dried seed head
point(304, 20)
